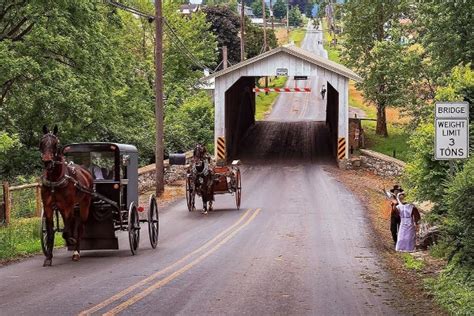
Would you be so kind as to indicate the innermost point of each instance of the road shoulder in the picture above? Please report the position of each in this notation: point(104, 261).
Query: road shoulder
point(367, 187)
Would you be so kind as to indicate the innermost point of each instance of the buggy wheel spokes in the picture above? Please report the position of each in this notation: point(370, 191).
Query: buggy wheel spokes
point(153, 222)
point(189, 194)
point(133, 228)
point(238, 189)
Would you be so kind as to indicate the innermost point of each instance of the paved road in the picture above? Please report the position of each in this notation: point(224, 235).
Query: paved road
point(303, 106)
point(300, 245)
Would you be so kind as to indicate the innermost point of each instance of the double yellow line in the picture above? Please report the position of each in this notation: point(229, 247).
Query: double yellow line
point(229, 233)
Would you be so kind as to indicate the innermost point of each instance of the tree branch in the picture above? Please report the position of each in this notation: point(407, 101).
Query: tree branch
point(24, 32)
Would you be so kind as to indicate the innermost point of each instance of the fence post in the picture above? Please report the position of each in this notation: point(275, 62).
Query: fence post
point(6, 201)
point(38, 200)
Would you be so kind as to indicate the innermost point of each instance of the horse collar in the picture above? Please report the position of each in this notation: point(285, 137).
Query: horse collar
point(62, 182)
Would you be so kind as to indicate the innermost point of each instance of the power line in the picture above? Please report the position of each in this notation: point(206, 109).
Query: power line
point(119, 5)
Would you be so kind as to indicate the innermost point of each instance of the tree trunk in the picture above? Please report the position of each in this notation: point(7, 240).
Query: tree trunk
point(381, 128)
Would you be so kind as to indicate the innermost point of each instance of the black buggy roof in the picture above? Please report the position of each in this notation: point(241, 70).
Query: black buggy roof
point(99, 146)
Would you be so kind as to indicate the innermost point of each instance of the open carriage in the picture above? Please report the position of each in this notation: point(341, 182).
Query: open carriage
point(115, 203)
point(227, 180)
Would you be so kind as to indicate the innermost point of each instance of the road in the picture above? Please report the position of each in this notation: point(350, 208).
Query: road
point(300, 245)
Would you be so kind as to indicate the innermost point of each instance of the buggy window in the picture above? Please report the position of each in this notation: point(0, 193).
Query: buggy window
point(100, 164)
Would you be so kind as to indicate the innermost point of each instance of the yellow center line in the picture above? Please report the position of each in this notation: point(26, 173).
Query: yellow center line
point(177, 273)
point(158, 273)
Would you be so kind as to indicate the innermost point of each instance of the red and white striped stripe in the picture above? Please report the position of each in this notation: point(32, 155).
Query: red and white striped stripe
point(281, 90)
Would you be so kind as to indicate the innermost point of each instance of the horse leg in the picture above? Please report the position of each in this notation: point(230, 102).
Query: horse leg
point(48, 261)
point(204, 204)
point(80, 222)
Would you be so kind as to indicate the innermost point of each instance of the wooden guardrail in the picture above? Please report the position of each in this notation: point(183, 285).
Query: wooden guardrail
point(6, 203)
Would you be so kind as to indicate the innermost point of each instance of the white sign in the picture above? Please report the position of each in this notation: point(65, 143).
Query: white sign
point(452, 110)
point(452, 139)
point(282, 71)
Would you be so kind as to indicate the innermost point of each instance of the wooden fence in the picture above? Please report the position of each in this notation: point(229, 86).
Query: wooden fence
point(9, 202)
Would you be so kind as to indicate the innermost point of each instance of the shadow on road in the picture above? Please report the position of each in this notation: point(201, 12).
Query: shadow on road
point(273, 141)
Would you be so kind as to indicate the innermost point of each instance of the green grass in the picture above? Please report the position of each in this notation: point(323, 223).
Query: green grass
point(297, 36)
point(264, 102)
point(412, 263)
point(453, 289)
point(333, 52)
point(21, 238)
point(396, 142)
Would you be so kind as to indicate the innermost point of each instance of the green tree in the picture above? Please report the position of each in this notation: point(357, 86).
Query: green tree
point(257, 8)
point(225, 25)
point(372, 47)
point(254, 39)
point(294, 16)
point(279, 9)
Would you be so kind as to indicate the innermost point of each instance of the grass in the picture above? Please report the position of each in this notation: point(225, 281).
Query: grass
point(333, 52)
point(264, 102)
point(21, 238)
point(395, 145)
point(453, 289)
point(412, 263)
point(297, 36)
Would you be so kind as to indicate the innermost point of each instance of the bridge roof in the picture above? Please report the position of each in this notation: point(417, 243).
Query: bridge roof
point(296, 52)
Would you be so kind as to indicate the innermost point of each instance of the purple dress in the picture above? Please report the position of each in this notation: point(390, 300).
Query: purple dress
point(407, 231)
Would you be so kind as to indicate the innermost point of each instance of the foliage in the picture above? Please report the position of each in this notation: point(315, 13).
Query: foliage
point(412, 263)
point(254, 39)
point(279, 9)
point(191, 123)
point(446, 25)
point(89, 67)
point(257, 8)
point(297, 36)
point(294, 16)
point(453, 290)
point(395, 144)
point(225, 24)
point(373, 47)
point(22, 237)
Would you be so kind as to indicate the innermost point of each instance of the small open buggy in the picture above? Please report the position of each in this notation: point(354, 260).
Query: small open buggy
point(227, 179)
point(115, 204)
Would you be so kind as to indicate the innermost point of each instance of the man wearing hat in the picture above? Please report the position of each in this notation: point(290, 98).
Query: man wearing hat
point(394, 216)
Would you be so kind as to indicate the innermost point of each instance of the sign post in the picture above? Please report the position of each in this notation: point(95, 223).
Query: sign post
point(451, 130)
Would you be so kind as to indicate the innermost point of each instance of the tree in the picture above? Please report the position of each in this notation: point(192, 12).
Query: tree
point(295, 18)
point(257, 8)
point(225, 25)
point(372, 47)
point(279, 9)
point(254, 39)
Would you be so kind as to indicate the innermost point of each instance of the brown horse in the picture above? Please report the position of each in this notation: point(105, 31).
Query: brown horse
point(63, 187)
point(203, 177)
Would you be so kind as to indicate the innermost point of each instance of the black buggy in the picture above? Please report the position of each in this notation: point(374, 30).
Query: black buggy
point(115, 204)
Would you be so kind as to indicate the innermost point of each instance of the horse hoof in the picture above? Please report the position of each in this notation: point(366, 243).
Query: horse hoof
point(194, 209)
point(47, 262)
point(204, 212)
point(76, 257)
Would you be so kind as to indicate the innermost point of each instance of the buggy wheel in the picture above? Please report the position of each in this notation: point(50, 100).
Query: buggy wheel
point(238, 189)
point(46, 246)
point(133, 228)
point(153, 222)
point(189, 195)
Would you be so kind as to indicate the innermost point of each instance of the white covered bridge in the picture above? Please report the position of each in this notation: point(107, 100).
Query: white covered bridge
point(234, 97)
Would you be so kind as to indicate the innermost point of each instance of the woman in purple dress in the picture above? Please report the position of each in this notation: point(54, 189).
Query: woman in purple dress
point(409, 217)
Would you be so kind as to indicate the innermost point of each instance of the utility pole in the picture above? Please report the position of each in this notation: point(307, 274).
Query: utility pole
point(265, 44)
point(288, 19)
point(224, 57)
point(159, 149)
point(271, 14)
point(242, 31)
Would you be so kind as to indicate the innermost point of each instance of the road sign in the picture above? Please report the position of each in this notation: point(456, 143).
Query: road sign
point(282, 71)
point(452, 110)
point(452, 139)
point(301, 77)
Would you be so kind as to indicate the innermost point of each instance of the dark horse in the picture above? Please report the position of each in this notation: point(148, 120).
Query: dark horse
point(63, 187)
point(203, 177)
